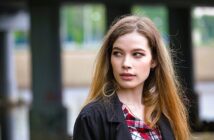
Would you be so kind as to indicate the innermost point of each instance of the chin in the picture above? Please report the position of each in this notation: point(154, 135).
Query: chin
point(128, 86)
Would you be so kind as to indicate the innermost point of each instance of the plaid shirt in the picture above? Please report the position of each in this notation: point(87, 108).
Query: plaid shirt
point(138, 129)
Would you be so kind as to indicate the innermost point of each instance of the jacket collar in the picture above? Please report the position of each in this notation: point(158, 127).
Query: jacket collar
point(113, 108)
point(114, 112)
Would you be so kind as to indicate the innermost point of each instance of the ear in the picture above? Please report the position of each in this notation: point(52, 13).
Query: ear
point(153, 64)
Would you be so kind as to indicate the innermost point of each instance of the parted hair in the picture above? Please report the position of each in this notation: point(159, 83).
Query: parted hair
point(162, 92)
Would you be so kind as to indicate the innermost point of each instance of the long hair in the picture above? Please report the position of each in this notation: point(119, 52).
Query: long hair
point(161, 94)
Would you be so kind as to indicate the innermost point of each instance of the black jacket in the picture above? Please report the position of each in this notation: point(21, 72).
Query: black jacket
point(104, 120)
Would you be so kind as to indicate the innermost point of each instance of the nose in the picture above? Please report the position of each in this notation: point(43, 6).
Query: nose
point(126, 63)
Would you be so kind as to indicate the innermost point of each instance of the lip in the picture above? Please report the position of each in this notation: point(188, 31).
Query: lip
point(127, 76)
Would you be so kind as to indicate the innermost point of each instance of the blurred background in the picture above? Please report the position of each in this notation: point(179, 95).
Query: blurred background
point(47, 53)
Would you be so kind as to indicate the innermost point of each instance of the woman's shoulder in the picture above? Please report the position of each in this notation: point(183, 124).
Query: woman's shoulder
point(93, 108)
point(104, 108)
point(89, 121)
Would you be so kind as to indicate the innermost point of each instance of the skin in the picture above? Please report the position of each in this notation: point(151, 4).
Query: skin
point(131, 61)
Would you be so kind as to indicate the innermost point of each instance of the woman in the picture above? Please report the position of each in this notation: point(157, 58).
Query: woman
point(134, 94)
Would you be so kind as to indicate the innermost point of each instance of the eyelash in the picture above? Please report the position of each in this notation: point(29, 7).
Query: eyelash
point(135, 54)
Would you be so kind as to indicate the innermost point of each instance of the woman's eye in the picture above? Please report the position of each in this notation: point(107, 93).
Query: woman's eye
point(116, 53)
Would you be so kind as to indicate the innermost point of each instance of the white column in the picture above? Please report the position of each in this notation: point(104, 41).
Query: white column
point(14, 118)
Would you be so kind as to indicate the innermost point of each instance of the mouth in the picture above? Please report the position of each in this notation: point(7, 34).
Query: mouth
point(127, 76)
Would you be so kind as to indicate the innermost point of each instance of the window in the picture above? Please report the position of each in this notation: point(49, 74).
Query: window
point(203, 49)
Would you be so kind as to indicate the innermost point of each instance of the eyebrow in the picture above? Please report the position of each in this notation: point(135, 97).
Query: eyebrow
point(116, 48)
point(137, 49)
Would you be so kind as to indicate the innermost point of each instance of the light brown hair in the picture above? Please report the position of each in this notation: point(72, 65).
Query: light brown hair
point(161, 93)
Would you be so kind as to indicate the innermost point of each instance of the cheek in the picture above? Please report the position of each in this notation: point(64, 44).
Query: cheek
point(115, 67)
point(113, 64)
point(145, 67)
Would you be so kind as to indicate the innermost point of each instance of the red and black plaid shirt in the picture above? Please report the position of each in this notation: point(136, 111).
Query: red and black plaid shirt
point(138, 129)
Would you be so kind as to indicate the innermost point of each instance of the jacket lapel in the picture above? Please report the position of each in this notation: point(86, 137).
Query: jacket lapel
point(165, 128)
point(115, 115)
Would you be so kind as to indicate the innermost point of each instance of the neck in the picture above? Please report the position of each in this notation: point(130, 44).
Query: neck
point(131, 96)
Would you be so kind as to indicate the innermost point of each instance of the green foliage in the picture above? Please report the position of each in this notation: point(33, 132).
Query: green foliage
point(20, 35)
point(158, 14)
point(72, 16)
point(83, 23)
point(204, 25)
point(21, 39)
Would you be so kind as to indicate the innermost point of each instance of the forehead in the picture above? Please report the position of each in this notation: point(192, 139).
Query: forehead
point(132, 40)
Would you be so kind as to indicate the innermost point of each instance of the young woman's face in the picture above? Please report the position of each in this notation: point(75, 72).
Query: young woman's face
point(131, 60)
